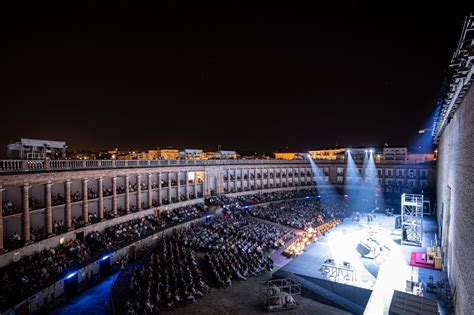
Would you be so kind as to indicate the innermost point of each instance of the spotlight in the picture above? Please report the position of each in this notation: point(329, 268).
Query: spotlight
point(349, 151)
point(366, 151)
point(69, 276)
point(105, 257)
point(371, 151)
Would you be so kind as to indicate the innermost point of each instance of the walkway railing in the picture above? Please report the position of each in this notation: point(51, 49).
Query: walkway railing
point(13, 166)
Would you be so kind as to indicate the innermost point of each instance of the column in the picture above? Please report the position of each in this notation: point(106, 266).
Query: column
point(274, 177)
point(48, 213)
point(114, 196)
point(287, 177)
point(160, 191)
point(169, 187)
point(139, 193)
point(85, 202)
point(127, 194)
point(228, 181)
point(150, 196)
point(255, 186)
point(187, 184)
point(25, 217)
point(305, 176)
point(178, 185)
point(242, 182)
point(100, 207)
point(67, 207)
point(1, 219)
point(263, 178)
point(195, 187)
point(281, 177)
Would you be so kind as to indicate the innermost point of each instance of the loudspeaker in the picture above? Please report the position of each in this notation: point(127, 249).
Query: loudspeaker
point(363, 249)
point(398, 221)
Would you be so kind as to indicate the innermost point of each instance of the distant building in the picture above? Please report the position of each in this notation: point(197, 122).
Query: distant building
point(147, 155)
point(326, 154)
point(227, 154)
point(192, 154)
point(168, 154)
point(286, 155)
point(32, 149)
point(395, 153)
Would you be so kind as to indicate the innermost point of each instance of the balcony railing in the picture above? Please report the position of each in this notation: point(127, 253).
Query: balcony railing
point(15, 166)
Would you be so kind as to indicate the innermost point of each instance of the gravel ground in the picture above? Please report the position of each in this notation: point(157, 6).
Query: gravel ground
point(243, 297)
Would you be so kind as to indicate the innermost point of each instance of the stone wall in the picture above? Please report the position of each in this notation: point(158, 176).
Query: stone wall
point(455, 202)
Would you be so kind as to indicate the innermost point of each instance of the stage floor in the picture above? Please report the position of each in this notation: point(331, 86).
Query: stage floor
point(384, 274)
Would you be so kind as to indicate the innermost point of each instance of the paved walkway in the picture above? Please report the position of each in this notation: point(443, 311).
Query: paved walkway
point(90, 302)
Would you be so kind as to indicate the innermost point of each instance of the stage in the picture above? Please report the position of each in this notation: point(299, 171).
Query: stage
point(333, 271)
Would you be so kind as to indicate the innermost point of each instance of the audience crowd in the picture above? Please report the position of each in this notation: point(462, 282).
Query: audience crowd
point(169, 279)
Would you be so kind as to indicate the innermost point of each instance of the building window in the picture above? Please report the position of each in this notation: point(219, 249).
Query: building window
point(340, 180)
point(400, 182)
point(411, 173)
point(424, 173)
point(411, 183)
point(388, 182)
point(326, 171)
point(340, 171)
point(388, 172)
point(400, 173)
point(423, 183)
point(379, 182)
point(379, 172)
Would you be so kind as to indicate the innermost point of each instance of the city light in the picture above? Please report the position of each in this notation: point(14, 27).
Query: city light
point(69, 276)
point(105, 257)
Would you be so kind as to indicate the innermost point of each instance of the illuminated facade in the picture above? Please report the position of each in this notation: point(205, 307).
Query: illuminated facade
point(168, 154)
point(326, 154)
point(286, 156)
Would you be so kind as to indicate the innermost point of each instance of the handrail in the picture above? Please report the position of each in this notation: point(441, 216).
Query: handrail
point(14, 166)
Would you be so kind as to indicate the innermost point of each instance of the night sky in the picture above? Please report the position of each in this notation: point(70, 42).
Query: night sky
point(247, 78)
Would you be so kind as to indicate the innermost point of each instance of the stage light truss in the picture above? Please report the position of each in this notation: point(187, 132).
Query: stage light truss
point(412, 219)
point(459, 80)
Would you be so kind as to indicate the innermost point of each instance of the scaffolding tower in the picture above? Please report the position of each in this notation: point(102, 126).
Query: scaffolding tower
point(412, 219)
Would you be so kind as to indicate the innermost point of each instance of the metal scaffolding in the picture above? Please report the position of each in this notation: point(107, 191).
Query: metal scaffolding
point(412, 219)
point(280, 294)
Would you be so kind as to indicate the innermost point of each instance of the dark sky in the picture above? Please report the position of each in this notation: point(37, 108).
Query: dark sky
point(244, 77)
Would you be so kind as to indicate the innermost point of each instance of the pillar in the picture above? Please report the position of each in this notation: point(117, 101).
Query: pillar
point(1, 219)
point(305, 176)
point(169, 187)
point(178, 184)
point(127, 194)
point(242, 182)
point(150, 196)
point(274, 178)
point(228, 180)
point(139, 193)
point(48, 213)
point(67, 207)
point(255, 186)
point(85, 202)
point(100, 209)
point(281, 177)
point(25, 217)
point(187, 184)
point(114, 196)
point(160, 191)
point(195, 187)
